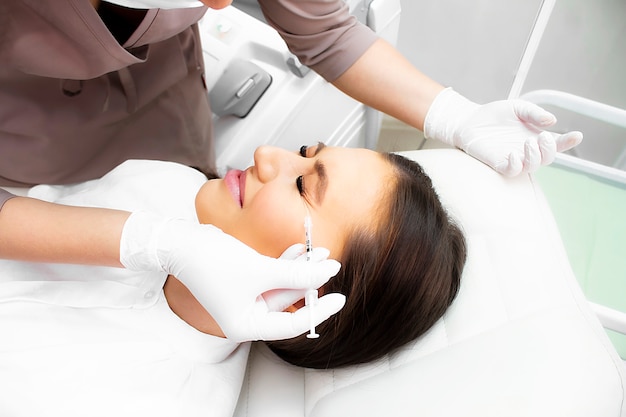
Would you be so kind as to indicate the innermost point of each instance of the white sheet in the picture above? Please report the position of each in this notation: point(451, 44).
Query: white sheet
point(80, 340)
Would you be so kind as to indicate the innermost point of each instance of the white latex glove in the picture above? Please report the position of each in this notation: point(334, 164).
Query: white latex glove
point(279, 300)
point(507, 135)
point(226, 276)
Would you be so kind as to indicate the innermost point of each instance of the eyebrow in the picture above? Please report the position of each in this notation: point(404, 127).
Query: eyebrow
point(320, 146)
point(322, 182)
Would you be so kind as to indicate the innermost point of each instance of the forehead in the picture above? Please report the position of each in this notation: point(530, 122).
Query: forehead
point(359, 181)
point(367, 170)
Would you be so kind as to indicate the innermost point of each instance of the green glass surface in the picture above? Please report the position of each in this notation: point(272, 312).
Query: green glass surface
point(591, 215)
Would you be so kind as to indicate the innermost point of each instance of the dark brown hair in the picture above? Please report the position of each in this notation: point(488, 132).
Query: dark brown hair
point(398, 279)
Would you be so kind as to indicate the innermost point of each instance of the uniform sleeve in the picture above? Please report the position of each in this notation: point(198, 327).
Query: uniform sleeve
point(4, 196)
point(321, 33)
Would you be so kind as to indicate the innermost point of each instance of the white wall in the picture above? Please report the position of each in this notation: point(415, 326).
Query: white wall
point(583, 52)
point(476, 46)
point(472, 45)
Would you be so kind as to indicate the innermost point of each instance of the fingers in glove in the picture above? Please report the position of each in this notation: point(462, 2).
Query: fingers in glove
point(298, 252)
point(511, 166)
point(547, 146)
point(279, 300)
point(276, 326)
point(568, 141)
point(532, 155)
point(303, 275)
point(292, 252)
point(319, 254)
point(531, 113)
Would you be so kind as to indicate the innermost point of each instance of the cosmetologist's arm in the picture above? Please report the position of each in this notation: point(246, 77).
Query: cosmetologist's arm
point(39, 231)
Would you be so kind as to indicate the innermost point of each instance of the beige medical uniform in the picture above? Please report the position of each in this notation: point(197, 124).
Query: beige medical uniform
point(74, 102)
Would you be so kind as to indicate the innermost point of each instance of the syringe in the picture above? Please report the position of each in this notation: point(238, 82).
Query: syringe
point(308, 243)
point(310, 297)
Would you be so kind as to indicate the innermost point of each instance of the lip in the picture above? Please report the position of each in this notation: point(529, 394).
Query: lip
point(242, 187)
point(235, 181)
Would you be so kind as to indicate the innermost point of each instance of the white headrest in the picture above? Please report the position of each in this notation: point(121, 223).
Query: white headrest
point(518, 340)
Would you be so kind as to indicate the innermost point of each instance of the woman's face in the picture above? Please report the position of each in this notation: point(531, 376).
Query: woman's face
point(265, 205)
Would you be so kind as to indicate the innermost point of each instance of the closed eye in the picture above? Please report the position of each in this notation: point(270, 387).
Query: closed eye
point(304, 148)
point(300, 184)
point(322, 181)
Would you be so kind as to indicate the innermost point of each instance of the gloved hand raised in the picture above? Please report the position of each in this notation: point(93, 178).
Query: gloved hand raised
point(507, 135)
point(227, 277)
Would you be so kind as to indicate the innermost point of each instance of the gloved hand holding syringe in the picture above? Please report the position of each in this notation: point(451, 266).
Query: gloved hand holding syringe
point(245, 292)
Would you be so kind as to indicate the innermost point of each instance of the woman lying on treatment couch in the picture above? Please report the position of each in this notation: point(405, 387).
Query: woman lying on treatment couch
point(401, 254)
point(378, 214)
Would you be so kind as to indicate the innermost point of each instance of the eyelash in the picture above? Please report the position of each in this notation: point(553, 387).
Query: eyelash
point(300, 179)
point(300, 184)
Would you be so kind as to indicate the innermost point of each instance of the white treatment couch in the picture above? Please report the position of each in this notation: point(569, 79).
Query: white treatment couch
point(520, 339)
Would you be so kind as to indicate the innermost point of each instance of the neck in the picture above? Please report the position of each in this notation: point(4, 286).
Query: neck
point(188, 308)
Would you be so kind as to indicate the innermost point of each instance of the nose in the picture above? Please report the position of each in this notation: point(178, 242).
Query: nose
point(271, 162)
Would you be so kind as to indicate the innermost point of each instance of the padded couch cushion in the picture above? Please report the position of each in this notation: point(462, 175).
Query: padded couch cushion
point(518, 340)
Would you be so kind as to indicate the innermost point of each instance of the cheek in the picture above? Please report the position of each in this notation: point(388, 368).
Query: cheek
point(270, 227)
point(330, 232)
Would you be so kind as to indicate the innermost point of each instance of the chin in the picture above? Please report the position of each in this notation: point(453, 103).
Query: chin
point(217, 4)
